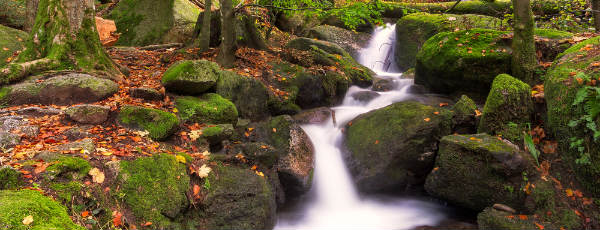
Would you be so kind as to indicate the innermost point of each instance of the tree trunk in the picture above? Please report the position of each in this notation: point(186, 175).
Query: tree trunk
point(204, 39)
point(228, 46)
point(596, 12)
point(524, 61)
point(31, 11)
point(64, 37)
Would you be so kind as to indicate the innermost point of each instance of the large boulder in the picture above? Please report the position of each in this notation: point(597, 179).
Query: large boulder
point(565, 82)
point(508, 105)
point(491, 219)
point(191, 77)
point(88, 114)
point(350, 41)
point(477, 171)
point(414, 29)
point(395, 146)
point(15, 206)
point(209, 108)
point(159, 124)
point(13, 13)
point(71, 88)
point(249, 95)
point(466, 60)
point(238, 198)
point(154, 188)
point(293, 153)
point(146, 22)
point(11, 41)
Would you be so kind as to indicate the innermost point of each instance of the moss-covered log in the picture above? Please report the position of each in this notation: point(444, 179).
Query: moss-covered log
point(64, 37)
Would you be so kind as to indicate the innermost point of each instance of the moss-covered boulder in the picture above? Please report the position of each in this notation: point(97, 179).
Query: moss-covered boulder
point(414, 29)
point(463, 61)
point(509, 102)
point(465, 119)
point(67, 168)
point(393, 147)
point(477, 171)
point(293, 151)
point(238, 198)
point(496, 8)
point(9, 178)
point(191, 77)
point(305, 44)
point(491, 219)
point(13, 13)
point(350, 41)
point(154, 188)
point(562, 84)
point(209, 108)
point(250, 96)
point(159, 124)
point(145, 22)
point(11, 39)
point(67, 89)
point(46, 213)
point(217, 133)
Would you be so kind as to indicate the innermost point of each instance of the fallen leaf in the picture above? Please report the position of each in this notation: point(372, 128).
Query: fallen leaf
point(196, 190)
point(147, 224)
point(117, 218)
point(28, 220)
point(274, 130)
point(85, 214)
point(376, 141)
point(541, 227)
point(204, 171)
point(180, 159)
point(97, 175)
point(443, 104)
point(569, 192)
point(195, 134)
point(523, 217)
point(477, 113)
point(427, 119)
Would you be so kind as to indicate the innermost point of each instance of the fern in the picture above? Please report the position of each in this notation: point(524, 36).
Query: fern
point(589, 98)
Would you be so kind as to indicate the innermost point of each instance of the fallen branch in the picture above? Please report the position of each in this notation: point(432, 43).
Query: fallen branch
point(161, 46)
point(17, 71)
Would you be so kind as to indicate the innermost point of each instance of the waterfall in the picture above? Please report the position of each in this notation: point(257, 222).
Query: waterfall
point(333, 202)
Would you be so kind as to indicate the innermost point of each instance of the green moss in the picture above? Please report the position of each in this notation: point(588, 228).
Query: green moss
point(142, 22)
point(509, 100)
point(464, 107)
point(66, 191)
point(155, 188)
point(553, 34)
point(10, 39)
point(491, 219)
point(158, 123)
point(414, 29)
point(191, 77)
point(466, 60)
point(9, 178)
point(249, 95)
point(560, 90)
point(46, 213)
point(209, 108)
point(73, 168)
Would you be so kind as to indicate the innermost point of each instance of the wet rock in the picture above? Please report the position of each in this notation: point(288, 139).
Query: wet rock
point(348, 40)
point(88, 114)
point(465, 119)
point(365, 96)
point(218, 133)
point(249, 95)
point(67, 89)
point(394, 147)
point(383, 84)
point(146, 94)
point(39, 112)
point(477, 171)
point(417, 89)
point(313, 116)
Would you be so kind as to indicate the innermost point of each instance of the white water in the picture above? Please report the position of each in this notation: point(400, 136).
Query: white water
point(333, 202)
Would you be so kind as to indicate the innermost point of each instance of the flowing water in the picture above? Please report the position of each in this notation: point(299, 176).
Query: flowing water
point(333, 202)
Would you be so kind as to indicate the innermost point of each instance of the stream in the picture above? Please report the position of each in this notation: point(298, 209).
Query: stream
point(334, 202)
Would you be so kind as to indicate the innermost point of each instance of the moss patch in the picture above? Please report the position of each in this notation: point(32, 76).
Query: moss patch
point(209, 108)
point(47, 214)
point(466, 60)
point(9, 178)
point(249, 95)
point(553, 34)
point(158, 123)
point(72, 168)
point(155, 188)
point(66, 191)
point(191, 77)
point(12, 40)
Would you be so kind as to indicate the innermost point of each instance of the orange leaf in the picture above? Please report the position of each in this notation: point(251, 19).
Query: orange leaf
point(427, 119)
point(443, 104)
point(85, 214)
point(569, 192)
point(147, 224)
point(196, 190)
point(117, 218)
point(523, 217)
point(436, 113)
point(541, 227)
point(376, 141)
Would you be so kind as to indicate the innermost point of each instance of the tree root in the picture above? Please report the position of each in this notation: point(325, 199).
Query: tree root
point(17, 71)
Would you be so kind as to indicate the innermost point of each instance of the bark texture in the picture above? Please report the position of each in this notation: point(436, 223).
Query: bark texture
point(596, 12)
point(228, 46)
point(32, 6)
point(524, 61)
point(204, 39)
point(64, 37)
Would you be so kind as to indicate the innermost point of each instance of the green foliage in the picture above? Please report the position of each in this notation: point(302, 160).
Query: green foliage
point(531, 147)
point(589, 98)
point(571, 15)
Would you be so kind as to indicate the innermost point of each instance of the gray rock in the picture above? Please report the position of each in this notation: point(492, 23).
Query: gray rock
point(383, 84)
point(88, 114)
point(348, 40)
point(9, 140)
point(38, 112)
point(191, 77)
point(313, 116)
point(71, 88)
point(146, 94)
point(365, 96)
point(85, 144)
point(77, 133)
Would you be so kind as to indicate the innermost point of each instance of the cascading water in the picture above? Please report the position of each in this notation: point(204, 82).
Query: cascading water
point(333, 202)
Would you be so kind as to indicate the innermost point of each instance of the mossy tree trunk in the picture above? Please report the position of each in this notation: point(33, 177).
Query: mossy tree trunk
point(596, 12)
point(204, 39)
point(226, 55)
point(64, 37)
point(32, 6)
point(524, 61)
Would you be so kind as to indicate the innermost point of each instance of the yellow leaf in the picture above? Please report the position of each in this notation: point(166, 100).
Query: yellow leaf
point(569, 192)
point(195, 134)
point(175, 110)
point(28, 220)
point(427, 119)
point(180, 159)
point(204, 171)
